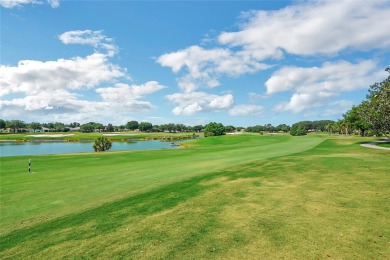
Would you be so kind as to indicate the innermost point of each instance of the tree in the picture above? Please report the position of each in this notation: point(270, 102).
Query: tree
point(214, 129)
point(145, 126)
point(355, 119)
point(299, 128)
point(198, 128)
point(16, 125)
point(329, 127)
point(171, 127)
point(229, 129)
point(35, 126)
point(98, 126)
point(132, 125)
point(2, 124)
point(50, 126)
point(74, 124)
point(59, 127)
point(110, 128)
point(87, 128)
point(376, 109)
point(102, 144)
point(283, 127)
point(180, 127)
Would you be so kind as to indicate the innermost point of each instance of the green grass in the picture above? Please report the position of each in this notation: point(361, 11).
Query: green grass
point(384, 145)
point(231, 197)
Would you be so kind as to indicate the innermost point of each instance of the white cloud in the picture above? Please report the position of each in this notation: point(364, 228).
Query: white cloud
point(313, 27)
point(303, 101)
point(125, 94)
point(246, 110)
point(315, 86)
point(55, 89)
point(54, 3)
point(204, 66)
point(95, 39)
point(331, 76)
point(193, 102)
point(63, 105)
point(19, 3)
point(31, 77)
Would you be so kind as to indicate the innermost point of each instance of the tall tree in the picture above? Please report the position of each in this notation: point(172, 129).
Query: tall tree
point(132, 125)
point(299, 128)
point(2, 124)
point(87, 128)
point(35, 126)
point(376, 109)
point(145, 126)
point(198, 128)
point(354, 118)
point(330, 127)
point(15, 125)
point(110, 128)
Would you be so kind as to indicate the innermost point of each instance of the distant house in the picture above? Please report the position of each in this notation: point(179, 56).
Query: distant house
point(75, 129)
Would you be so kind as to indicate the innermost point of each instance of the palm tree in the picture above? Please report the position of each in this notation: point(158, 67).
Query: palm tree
point(329, 127)
point(102, 144)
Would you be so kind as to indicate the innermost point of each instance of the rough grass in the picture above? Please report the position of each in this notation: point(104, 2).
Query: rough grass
point(318, 200)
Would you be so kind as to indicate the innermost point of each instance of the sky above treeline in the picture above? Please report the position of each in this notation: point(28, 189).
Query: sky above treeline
point(241, 63)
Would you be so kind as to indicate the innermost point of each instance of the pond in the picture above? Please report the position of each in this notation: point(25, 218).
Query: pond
point(34, 148)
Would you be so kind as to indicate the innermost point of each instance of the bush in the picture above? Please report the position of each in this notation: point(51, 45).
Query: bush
point(102, 144)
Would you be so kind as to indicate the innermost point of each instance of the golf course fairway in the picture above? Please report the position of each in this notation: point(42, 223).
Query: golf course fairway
point(230, 197)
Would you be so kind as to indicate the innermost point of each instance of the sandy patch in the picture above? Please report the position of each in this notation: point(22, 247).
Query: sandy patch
point(51, 135)
point(375, 146)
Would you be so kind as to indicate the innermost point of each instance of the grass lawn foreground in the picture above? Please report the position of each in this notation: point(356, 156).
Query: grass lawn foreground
point(230, 197)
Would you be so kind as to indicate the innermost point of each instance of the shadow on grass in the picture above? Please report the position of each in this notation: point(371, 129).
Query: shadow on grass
point(108, 217)
point(111, 216)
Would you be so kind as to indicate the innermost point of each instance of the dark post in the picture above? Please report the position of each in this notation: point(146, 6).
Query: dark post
point(29, 165)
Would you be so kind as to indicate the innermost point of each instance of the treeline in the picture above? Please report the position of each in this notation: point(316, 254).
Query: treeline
point(16, 126)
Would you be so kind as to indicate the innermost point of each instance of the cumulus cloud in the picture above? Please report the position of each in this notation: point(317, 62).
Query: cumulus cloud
point(56, 88)
point(95, 39)
point(31, 76)
point(307, 28)
point(193, 102)
point(63, 104)
point(246, 110)
point(19, 3)
point(315, 86)
point(205, 66)
point(126, 95)
point(311, 28)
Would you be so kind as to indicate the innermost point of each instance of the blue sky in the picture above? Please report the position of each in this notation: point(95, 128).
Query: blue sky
point(240, 63)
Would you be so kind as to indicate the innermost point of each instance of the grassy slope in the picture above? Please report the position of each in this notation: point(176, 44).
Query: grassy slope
point(243, 196)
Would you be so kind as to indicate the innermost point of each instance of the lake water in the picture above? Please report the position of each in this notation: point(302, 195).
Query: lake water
point(34, 148)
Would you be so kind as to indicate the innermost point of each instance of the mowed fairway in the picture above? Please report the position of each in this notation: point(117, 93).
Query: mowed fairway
point(230, 197)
